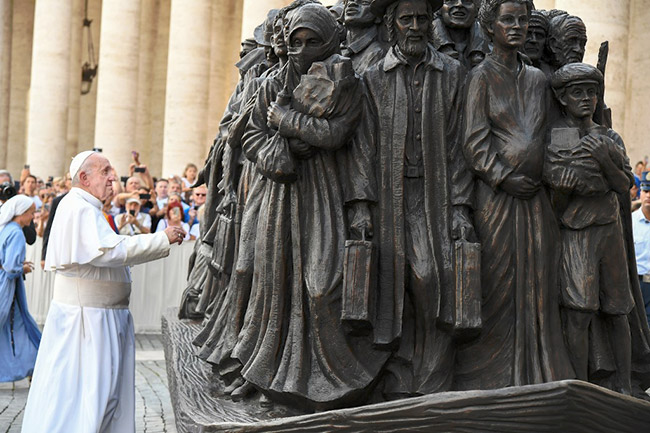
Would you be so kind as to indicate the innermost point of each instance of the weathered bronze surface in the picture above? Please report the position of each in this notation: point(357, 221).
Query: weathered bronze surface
point(409, 197)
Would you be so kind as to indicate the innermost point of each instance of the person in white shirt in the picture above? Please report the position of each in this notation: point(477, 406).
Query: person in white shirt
point(85, 369)
point(641, 233)
point(133, 222)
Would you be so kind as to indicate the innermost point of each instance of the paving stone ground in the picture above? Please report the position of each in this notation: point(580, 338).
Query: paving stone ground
point(153, 409)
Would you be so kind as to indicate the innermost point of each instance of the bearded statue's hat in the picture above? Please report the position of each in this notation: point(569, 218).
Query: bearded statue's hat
point(378, 7)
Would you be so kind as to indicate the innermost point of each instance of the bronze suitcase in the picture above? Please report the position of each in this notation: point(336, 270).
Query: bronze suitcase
point(223, 249)
point(359, 272)
point(467, 309)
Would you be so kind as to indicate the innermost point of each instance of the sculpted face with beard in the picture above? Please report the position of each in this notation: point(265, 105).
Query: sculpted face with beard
point(412, 22)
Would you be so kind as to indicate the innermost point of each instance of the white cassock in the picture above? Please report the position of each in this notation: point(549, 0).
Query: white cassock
point(84, 375)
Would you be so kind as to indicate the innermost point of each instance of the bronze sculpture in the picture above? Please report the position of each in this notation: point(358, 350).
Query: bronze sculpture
point(504, 145)
point(401, 150)
point(536, 41)
point(457, 33)
point(587, 164)
point(425, 196)
point(362, 44)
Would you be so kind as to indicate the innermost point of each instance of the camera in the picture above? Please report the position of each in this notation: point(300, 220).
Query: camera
point(48, 184)
point(123, 179)
point(139, 169)
point(145, 196)
point(132, 212)
point(97, 149)
point(7, 190)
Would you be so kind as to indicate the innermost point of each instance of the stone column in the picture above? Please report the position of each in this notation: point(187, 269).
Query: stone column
point(606, 21)
point(47, 117)
point(545, 4)
point(158, 89)
point(88, 102)
point(188, 79)
point(148, 31)
point(74, 94)
point(638, 86)
point(21, 65)
point(5, 76)
point(117, 90)
point(255, 12)
point(225, 46)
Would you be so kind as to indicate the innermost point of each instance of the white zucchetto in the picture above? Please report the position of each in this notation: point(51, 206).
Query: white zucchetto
point(78, 161)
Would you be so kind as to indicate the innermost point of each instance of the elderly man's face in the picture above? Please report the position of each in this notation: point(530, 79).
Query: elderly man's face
point(132, 184)
point(199, 195)
point(357, 13)
point(535, 42)
point(133, 208)
point(174, 188)
point(458, 14)
point(99, 179)
point(511, 25)
point(412, 22)
point(571, 48)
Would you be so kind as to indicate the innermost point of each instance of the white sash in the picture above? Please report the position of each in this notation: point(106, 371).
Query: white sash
point(91, 293)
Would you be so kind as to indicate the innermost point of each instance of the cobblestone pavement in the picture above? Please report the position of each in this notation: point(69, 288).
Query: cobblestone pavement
point(153, 409)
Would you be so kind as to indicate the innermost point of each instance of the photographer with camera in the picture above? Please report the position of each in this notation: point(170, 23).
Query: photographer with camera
point(133, 222)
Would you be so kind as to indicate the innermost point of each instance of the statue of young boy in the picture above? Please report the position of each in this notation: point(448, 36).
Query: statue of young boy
point(587, 167)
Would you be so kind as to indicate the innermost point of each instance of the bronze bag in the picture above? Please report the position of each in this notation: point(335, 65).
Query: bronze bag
point(223, 249)
point(275, 160)
point(467, 308)
point(359, 271)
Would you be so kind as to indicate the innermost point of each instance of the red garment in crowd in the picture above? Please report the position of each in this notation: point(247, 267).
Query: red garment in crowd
point(111, 221)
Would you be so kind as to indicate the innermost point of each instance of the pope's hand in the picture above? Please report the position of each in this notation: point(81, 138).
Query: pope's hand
point(175, 235)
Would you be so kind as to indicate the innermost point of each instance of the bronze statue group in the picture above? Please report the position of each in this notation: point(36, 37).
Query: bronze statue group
point(366, 150)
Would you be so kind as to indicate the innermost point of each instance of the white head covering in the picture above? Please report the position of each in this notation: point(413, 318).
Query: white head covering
point(77, 162)
point(16, 205)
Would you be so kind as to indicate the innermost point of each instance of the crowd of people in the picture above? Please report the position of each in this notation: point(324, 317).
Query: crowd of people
point(140, 204)
point(372, 159)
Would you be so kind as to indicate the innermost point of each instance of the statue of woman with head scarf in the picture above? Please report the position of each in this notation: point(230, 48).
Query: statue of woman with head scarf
point(292, 346)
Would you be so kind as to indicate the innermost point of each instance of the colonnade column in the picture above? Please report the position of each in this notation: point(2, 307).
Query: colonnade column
point(638, 86)
point(158, 89)
point(606, 20)
point(148, 31)
point(5, 77)
point(47, 115)
point(545, 4)
point(117, 87)
point(225, 47)
point(21, 66)
point(255, 12)
point(74, 91)
point(88, 102)
point(188, 79)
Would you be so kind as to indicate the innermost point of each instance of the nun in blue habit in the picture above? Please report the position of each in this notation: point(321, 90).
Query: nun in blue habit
point(19, 335)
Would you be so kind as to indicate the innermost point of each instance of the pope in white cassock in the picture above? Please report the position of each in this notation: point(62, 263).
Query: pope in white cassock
point(84, 375)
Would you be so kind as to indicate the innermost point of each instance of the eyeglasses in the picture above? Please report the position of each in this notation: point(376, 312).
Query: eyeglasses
point(199, 194)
